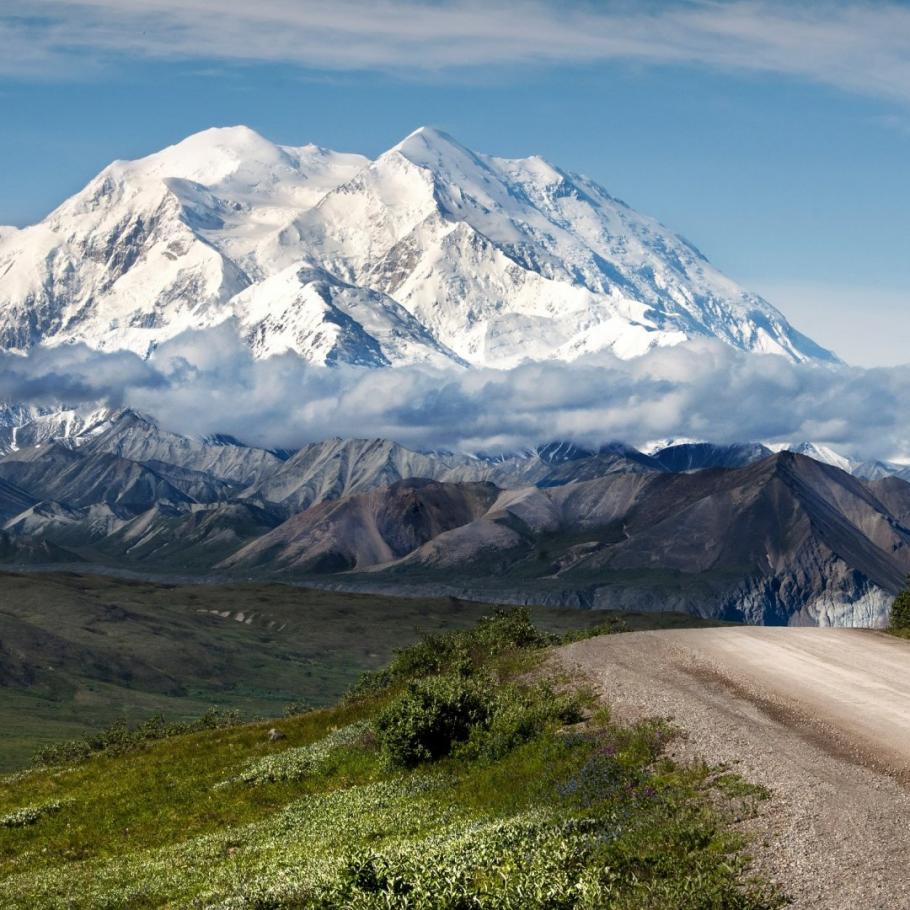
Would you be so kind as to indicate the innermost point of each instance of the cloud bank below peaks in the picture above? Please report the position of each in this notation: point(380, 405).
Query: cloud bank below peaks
point(205, 382)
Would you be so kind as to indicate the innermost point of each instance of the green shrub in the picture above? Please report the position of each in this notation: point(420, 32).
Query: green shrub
point(430, 717)
point(119, 737)
point(532, 861)
point(30, 815)
point(471, 717)
point(518, 714)
point(900, 610)
point(507, 630)
point(612, 626)
point(295, 708)
point(462, 652)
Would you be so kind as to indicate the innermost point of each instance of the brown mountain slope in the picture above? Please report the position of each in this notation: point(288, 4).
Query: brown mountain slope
point(783, 540)
point(366, 529)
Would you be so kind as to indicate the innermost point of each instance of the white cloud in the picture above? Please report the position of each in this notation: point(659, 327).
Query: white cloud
point(207, 382)
point(861, 46)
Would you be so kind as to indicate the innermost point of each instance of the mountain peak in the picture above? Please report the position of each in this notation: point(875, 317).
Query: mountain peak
point(824, 454)
point(437, 150)
point(212, 155)
point(428, 136)
point(239, 138)
point(237, 135)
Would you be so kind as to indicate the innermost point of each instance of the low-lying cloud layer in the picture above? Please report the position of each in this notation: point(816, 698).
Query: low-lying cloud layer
point(852, 44)
point(208, 382)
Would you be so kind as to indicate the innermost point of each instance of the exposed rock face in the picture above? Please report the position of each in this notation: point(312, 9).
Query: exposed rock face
point(334, 468)
point(785, 540)
point(699, 456)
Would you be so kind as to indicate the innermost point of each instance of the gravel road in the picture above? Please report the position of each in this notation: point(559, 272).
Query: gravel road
point(819, 716)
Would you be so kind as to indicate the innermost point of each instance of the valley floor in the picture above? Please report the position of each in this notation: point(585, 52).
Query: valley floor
point(821, 717)
point(78, 651)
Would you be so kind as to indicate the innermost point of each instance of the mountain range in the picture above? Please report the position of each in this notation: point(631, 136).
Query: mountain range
point(734, 532)
point(431, 253)
point(436, 255)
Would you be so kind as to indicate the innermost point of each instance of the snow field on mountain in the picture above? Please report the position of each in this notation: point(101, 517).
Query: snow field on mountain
point(431, 253)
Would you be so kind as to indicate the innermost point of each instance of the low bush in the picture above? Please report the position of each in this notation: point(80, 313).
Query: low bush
point(900, 611)
point(534, 860)
point(612, 626)
point(30, 815)
point(517, 714)
point(462, 652)
point(470, 716)
point(298, 763)
point(119, 737)
point(426, 721)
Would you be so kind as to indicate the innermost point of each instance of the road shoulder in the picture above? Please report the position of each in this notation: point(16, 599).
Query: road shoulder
point(835, 832)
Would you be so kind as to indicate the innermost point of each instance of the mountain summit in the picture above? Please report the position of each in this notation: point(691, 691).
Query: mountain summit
point(430, 253)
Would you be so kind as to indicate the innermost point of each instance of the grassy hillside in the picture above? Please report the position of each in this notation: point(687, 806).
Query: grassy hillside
point(79, 651)
point(462, 776)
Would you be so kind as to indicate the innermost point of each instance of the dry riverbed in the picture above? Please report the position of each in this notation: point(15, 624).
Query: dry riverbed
point(821, 717)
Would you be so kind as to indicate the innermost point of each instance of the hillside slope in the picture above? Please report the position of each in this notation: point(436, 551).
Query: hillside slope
point(773, 539)
point(78, 651)
point(425, 788)
point(782, 540)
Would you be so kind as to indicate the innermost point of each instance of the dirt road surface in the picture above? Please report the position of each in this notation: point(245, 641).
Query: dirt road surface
point(821, 717)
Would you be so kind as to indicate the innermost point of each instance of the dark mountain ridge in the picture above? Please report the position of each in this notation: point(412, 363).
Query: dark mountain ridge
point(730, 531)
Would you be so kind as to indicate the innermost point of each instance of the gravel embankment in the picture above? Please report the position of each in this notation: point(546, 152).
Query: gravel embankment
point(819, 716)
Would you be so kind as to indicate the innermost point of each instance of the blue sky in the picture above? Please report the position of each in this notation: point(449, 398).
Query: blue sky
point(777, 141)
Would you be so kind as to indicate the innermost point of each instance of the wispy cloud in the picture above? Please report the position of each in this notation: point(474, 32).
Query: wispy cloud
point(208, 382)
point(859, 46)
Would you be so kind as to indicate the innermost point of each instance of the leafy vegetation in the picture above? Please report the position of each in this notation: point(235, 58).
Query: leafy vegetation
point(612, 625)
point(119, 737)
point(296, 764)
point(900, 612)
point(461, 652)
point(464, 776)
point(433, 715)
point(29, 815)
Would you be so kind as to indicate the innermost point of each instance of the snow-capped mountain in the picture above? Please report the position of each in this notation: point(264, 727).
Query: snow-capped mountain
point(824, 454)
point(430, 253)
point(23, 426)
